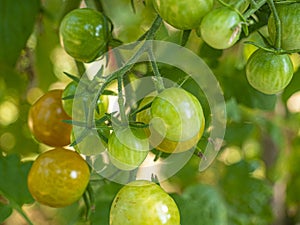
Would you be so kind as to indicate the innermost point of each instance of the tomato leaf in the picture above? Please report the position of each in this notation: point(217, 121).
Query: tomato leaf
point(16, 25)
point(14, 173)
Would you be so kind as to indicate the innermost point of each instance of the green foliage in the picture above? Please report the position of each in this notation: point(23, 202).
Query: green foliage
point(16, 25)
point(247, 198)
point(200, 205)
point(14, 173)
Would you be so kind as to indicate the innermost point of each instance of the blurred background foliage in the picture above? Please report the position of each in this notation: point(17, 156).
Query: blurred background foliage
point(255, 179)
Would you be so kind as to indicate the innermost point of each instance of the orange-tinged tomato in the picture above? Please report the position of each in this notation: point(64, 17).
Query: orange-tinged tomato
point(46, 120)
point(58, 177)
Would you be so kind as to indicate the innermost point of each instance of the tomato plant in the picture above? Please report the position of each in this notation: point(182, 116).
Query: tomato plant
point(268, 72)
point(58, 177)
point(220, 28)
point(183, 15)
point(84, 34)
point(45, 120)
point(154, 112)
point(142, 202)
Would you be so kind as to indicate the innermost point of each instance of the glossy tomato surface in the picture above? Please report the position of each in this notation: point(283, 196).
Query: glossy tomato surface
point(185, 14)
point(45, 120)
point(176, 114)
point(58, 177)
point(84, 34)
point(143, 203)
point(164, 144)
point(220, 28)
point(268, 72)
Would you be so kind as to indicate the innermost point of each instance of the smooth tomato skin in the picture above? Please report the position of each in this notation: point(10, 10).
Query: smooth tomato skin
point(164, 144)
point(45, 120)
point(128, 148)
point(185, 14)
point(176, 114)
point(84, 34)
point(220, 28)
point(58, 177)
point(289, 15)
point(269, 73)
point(143, 203)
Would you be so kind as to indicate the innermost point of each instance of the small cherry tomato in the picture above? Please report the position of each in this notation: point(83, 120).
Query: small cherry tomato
point(45, 120)
point(58, 177)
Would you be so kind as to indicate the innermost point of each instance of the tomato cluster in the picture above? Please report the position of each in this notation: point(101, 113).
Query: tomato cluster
point(170, 121)
point(56, 172)
point(268, 71)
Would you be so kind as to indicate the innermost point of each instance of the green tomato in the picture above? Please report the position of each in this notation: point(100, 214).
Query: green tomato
point(166, 145)
point(70, 90)
point(184, 15)
point(289, 15)
point(268, 72)
point(128, 148)
point(220, 28)
point(143, 203)
point(84, 34)
point(176, 115)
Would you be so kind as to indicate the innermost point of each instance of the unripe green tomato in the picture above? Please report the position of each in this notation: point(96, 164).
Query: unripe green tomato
point(289, 15)
point(176, 114)
point(268, 72)
point(166, 145)
point(220, 28)
point(84, 34)
point(143, 203)
point(128, 147)
point(184, 15)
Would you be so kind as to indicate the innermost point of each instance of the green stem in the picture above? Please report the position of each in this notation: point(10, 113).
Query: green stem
point(155, 25)
point(277, 24)
point(20, 210)
point(254, 7)
point(121, 99)
point(158, 81)
point(80, 68)
point(130, 63)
